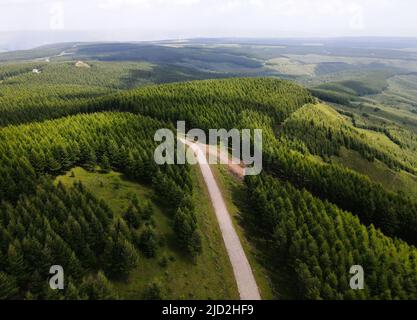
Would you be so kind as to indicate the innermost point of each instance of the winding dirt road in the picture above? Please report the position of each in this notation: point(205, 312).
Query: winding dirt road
point(248, 289)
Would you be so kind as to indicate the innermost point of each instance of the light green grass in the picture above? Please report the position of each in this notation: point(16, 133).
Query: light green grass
point(327, 117)
point(211, 277)
point(291, 67)
point(378, 172)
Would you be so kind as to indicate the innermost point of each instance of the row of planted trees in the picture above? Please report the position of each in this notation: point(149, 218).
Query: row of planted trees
point(317, 244)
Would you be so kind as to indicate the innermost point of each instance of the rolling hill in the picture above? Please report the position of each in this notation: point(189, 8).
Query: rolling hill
point(81, 189)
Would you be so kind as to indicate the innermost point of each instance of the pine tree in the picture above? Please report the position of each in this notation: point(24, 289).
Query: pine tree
point(120, 257)
point(132, 217)
point(147, 211)
point(71, 291)
point(153, 291)
point(105, 164)
point(8, 287)
point(91, 160)
point(148, 243)
point(16, 264)
point(195, 244)
point(97, 288)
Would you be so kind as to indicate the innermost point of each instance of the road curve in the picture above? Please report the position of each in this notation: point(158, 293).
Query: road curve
point(248, 289)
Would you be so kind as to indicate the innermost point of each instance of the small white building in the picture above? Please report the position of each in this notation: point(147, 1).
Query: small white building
point(36, 71)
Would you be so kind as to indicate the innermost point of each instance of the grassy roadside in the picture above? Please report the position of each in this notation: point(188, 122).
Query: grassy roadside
point(230, 186)
point(211, 277)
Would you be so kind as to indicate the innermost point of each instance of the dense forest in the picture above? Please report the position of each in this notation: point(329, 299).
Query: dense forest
point(317, 243)
point(43, 223)
point(317, 218)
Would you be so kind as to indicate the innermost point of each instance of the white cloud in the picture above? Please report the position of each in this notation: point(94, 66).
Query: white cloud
point(112, 4)
point(216, 17)
point(56, 16)
point(357, 17)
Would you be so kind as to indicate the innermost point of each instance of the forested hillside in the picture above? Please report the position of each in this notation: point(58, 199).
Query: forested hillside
point(317, 217)
point(40, 91)
point(316, 242)
point(43, 223)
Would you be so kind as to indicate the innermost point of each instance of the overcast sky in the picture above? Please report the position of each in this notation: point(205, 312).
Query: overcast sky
point(162, 19)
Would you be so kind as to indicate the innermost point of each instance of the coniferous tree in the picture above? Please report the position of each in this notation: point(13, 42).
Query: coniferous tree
point(8, 287)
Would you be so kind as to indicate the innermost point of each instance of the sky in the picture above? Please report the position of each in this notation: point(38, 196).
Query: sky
point(173, 19)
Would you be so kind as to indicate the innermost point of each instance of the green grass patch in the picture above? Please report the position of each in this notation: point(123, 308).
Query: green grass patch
point(378, 172)
point(233, 194)
point(211, 277)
